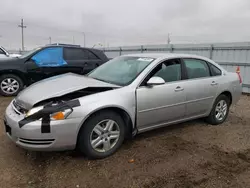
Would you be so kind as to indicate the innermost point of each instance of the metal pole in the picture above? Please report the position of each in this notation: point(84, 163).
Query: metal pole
point(84, 39)
point(22, 26)
point(211, 51)
point(49, 40)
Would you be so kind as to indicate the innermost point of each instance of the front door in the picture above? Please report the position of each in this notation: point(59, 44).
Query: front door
point(46, 63)
point(161, 104)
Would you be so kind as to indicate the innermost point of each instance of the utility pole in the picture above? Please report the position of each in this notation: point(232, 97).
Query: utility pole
point(84, 38)
point(22, 26)
point(49, 40)
point(169, 39)
point(73, 40)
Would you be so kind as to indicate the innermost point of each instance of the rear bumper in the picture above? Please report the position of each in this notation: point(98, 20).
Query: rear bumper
point(63, 134)
point(237, 92)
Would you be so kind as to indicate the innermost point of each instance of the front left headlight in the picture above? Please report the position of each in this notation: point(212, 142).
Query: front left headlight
point(54, 115)
point(33, 111)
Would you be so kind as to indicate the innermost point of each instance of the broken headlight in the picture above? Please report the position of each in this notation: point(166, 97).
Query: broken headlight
point(33, 111)
point(54, 111)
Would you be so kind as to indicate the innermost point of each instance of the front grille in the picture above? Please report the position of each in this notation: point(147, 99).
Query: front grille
point(36, 141)
point(18, 108)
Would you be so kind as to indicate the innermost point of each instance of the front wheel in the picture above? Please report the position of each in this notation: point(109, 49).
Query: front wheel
point(219, 111)
point(10, 85)
point(101, 135)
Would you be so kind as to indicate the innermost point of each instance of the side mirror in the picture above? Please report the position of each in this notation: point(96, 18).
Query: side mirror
point(155, 81)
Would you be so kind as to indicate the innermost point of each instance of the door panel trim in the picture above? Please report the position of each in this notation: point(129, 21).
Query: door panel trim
point(169, 123)
point(161, 107)
point(167, 106)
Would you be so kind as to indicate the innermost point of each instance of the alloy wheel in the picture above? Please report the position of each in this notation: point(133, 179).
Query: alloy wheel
point(105, 135)
point(221, 110)
point(9, 86)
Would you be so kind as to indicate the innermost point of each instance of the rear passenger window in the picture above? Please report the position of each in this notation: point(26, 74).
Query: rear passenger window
point(215, 71)
point(196, 68)
point(75, 54)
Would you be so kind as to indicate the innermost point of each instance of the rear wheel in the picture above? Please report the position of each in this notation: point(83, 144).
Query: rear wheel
point(10, 85)
point(219, 111)
point(101, 135)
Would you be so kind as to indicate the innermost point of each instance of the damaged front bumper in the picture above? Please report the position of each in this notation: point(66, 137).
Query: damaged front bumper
point(62, 135)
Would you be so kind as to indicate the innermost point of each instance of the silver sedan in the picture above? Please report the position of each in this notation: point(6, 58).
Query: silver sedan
point(129, 94)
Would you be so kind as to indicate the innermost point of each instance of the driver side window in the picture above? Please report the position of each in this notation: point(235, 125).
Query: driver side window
point(169, 71)
point(49, 57)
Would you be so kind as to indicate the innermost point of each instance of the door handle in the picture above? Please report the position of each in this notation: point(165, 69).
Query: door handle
point(178, 88)
point(214, 83)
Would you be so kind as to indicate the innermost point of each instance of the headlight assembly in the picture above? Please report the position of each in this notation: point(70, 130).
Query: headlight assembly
point(61, 114)
point(33, 111)
point(54, 111)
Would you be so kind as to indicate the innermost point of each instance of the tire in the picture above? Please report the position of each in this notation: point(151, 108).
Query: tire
point(88, 133)
point(212, 118)
point(17, 85)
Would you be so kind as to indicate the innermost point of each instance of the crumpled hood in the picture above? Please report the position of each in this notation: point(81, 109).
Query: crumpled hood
point(56, 86)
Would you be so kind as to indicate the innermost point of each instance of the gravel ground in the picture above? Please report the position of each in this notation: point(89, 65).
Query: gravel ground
point(191, 154)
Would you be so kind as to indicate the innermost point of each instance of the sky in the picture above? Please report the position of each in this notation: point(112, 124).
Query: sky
point(123, 22)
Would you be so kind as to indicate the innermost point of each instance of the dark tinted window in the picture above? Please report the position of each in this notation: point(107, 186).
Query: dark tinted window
point(215, 71)
point(75, 54)
point(169, 71)
point(196, 68)
point(91, 55)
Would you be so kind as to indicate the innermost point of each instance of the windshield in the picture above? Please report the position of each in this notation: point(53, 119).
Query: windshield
point(29, 53)
point(121, 70)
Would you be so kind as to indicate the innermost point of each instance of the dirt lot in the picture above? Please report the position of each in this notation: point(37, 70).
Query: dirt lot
point(192, 154)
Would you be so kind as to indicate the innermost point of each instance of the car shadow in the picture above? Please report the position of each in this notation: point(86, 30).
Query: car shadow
point(42, 157)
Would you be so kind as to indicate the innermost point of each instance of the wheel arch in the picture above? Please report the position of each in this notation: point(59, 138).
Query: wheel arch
point(20, 74)
point(127, 118)
point(228, 94)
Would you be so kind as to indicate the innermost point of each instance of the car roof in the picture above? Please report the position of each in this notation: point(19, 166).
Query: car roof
point(70, 46)
point(166, 55)
point(162, 56)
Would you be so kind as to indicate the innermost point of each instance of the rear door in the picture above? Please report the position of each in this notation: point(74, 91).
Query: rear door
point(80, 60)
point(201, 87)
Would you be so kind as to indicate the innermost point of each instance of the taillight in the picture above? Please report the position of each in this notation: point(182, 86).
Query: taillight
point(239, 78)
point(238, 72)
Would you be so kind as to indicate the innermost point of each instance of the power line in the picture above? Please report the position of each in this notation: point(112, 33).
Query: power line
point(22, 26)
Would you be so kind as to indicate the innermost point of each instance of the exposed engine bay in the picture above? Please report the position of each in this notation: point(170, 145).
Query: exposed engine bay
point(74, 95)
